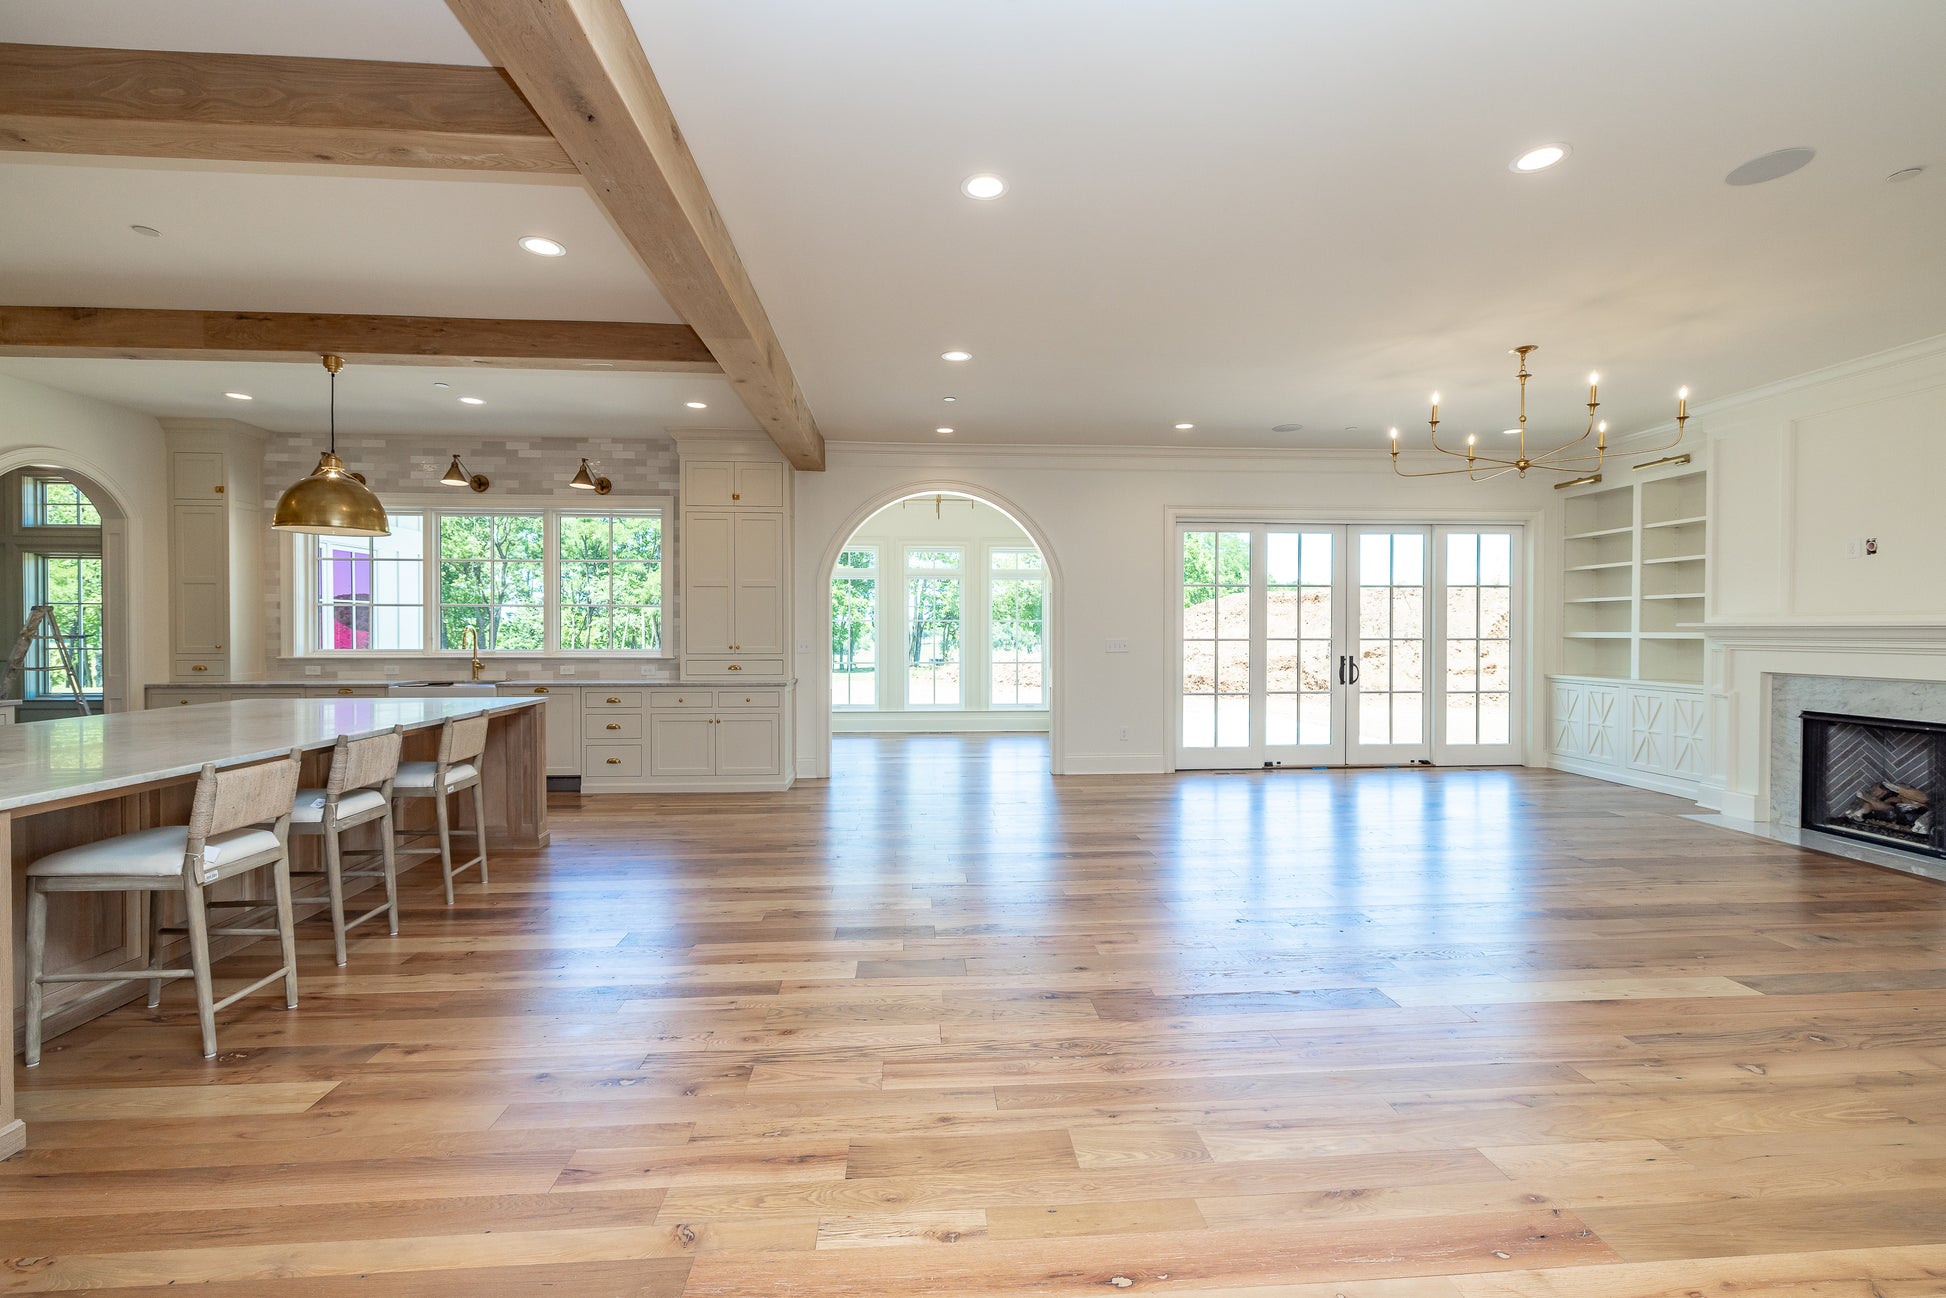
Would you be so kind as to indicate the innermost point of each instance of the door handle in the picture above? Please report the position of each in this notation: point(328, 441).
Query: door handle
point(1356, 671)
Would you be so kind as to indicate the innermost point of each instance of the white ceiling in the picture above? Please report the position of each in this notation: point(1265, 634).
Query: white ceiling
point(1237, 213)
point(290, 397)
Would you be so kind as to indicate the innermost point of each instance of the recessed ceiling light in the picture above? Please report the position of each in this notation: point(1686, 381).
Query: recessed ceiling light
point(472, 401)
point(597, 365)
point(438, 384)
point(1900, 177)
point(956, 356)
point(696, 405)
point(1287, 428)
point(1771, 166)
point(542, 246)
point(1181, 427)
point(983, 186)
point(239, 396)
point(943, 432)
point(1540, 159)
point(1510, 432)
point(148, 230)
point(949, 398)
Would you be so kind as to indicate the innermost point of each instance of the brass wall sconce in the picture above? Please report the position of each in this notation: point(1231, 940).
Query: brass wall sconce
point(587, 479)
point(457, 475)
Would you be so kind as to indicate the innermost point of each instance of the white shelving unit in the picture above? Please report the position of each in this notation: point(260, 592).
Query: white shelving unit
point(1628, 703)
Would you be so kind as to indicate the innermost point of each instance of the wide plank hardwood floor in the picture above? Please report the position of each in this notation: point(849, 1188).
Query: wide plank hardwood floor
point(945, 1026)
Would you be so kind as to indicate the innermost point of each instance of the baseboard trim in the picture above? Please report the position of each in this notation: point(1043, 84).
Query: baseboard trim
point(1112, 764)
point(1624, 775)
point(13, 1136)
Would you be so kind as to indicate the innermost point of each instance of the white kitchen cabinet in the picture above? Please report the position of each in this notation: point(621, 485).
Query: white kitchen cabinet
point(682, 745)
point(216, 547)
point(1651, 735)
point(678, 738)
point(733, 484)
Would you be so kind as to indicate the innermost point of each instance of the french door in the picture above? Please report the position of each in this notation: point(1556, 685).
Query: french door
point(1346, 645)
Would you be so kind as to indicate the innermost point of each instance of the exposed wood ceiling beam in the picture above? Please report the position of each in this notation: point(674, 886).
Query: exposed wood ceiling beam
point(579, 64)
point(367, 339)
point(256, 108)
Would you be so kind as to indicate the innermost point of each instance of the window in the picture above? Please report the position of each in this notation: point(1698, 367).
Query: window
point(611, 581)
point(71, 583)
point(528, 582)
point(932, 622)
point(854, 628)
point(369, 592)
point(1479, 637)
point(1015, 632)
point(56, 502)
point(492, 578)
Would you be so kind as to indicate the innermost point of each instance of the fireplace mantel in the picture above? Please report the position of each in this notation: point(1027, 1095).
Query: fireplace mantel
point(1744, 655)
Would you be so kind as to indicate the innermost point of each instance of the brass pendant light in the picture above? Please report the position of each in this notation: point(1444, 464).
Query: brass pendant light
point(332, 501)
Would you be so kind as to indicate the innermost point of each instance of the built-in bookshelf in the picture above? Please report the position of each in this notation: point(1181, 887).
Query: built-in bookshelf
point(1634, 560)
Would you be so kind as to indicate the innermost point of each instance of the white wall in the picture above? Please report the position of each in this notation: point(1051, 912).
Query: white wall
point(1800, 473)
point(1102, 519)
point(122, 450)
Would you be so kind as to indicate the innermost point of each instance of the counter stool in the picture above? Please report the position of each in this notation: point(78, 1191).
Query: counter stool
point(358, 791)
point(461, 741)
point(240, 821)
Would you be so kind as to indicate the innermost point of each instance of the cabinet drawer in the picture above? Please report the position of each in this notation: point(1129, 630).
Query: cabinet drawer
point(602, 700)
point(198, 670)
point(683, 700)
point(611, 761)
point(735, 668)
point(739, 700)
point(615, 725)
point(348, 692)
point(524, 691)
point(186, 698)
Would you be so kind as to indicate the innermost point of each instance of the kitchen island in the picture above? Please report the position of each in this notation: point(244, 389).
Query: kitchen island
point(76, 780)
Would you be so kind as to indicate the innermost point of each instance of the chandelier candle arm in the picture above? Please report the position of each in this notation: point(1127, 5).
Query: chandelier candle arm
point(1564, 458)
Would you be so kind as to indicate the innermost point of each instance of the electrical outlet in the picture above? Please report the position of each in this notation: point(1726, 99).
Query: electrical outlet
point(1117, 647)
point(392, 669)
point(804, 646)
point(314, 671)
point(1124, 734)
point(567, 670)
point(1854, 548)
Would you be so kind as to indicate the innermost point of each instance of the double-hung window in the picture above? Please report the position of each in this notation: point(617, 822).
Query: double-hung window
point(1016, 630)
point(854, 628)
point(933, 586)
point(525, 581)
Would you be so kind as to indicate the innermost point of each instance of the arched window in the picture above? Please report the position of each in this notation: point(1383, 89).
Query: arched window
point(52, 556)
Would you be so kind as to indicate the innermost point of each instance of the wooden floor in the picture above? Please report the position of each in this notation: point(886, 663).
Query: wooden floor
point(944, 1026)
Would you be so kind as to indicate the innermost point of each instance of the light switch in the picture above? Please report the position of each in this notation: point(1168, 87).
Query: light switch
point(1117, 646)
point(804, 646)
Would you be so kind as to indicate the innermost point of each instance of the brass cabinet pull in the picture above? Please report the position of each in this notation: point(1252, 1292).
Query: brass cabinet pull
point(746, 698)
point(614, 761)
point(199, 668)
point(343, 690)
point(736, 495)
point(540, 689)
point(613, 699)
point(614, 725)
point(681, 699)
point(183, 702)
point(219, 648)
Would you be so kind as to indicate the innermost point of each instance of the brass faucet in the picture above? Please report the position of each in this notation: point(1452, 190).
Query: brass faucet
point(472, 642)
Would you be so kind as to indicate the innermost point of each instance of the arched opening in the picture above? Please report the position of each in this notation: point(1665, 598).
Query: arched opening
point(938, 619)
point(63, 542)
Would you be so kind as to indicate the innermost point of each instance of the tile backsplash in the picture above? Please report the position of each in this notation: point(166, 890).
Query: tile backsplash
point(529, 468)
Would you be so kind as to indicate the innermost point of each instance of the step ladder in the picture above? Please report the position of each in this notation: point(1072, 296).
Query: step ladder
point(41, 624)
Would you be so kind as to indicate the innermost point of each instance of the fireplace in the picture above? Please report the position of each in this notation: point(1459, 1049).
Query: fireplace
point(1877, 780)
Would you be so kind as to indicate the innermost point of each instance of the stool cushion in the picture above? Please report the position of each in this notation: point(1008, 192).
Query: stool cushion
point(152, 853)
point(310, 804)
point(418, 776)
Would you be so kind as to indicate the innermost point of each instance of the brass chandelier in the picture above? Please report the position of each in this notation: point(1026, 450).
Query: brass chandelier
point(1579, 460)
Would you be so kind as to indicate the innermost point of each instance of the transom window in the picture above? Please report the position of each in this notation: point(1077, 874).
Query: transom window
point(56, 502)
point(527, 581)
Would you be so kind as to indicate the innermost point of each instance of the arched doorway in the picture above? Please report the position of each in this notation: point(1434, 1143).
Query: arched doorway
point(64, 542)
point(938, 612)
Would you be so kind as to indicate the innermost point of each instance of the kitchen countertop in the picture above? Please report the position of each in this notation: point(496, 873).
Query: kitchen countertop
point(563, 682)
point(64, 758)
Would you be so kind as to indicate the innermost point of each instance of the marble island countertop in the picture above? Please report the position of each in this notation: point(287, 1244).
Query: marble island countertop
point(67, 758)
point(508, 682)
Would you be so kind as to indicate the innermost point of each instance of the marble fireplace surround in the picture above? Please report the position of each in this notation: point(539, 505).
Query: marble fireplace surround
point(1762, 675)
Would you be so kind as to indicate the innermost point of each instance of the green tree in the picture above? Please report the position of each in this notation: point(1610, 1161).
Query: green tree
point(1212, 560)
